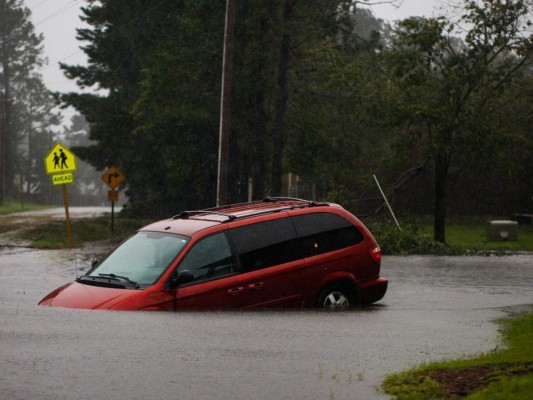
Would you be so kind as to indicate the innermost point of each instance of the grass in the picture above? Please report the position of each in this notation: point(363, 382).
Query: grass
point(471, 234)
point(504, 374)
point(53, 234)
point(10, 207)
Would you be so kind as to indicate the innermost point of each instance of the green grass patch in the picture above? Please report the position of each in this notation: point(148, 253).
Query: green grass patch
point(10, 207)
point(463, 236)
point(54, 234)
point(504, 374)
point(472, 234)
point(517, 389)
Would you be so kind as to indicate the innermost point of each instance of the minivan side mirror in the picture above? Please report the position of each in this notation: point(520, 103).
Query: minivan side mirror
point(181, 278)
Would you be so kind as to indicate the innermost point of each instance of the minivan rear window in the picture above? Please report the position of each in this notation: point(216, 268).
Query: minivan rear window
point(284, 240)
point(324, 232)
point(265, 244)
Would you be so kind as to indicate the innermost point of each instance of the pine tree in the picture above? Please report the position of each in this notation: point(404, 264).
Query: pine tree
point(23, 97)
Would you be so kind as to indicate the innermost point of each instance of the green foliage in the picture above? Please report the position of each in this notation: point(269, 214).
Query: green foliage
point(176, 116)
point(408, 240)
point(517, 389)
point(409, 386)
point(340, 125)
point(124, 37)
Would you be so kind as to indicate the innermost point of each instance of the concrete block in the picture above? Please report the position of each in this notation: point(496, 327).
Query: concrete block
point(501, 231)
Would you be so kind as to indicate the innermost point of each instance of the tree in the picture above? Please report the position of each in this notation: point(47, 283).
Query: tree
point(89, 188)
point(124, 37)
point(289, 35)
point(177, 113)
point(21, 90)
point(157, 117)
point(450, 91)
point(340, 131)
point(37, 114)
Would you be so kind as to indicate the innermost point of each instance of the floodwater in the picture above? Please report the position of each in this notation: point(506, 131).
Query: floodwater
point(436, 308)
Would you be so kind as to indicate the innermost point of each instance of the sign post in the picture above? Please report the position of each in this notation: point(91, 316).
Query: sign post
point(112, 178)
point(67, 216)
point(60, 162)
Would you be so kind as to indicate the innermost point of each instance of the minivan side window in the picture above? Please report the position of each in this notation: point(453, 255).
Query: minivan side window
point(209, 258)
point(264, 244)
point(323, 232)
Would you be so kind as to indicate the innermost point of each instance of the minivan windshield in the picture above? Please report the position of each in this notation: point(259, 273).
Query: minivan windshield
point(142, 258)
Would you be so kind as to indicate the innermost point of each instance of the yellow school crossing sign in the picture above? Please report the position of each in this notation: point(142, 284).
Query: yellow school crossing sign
point(60, 160)
point(60, 163)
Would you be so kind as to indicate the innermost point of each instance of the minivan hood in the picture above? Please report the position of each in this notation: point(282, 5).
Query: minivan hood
point(77, 295)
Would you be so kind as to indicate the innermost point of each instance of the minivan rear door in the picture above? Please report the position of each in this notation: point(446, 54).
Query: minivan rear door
point(327, 241)
point(268, 262)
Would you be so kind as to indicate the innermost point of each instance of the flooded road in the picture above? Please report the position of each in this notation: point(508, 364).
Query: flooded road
point(436, 308)
point(59, 212)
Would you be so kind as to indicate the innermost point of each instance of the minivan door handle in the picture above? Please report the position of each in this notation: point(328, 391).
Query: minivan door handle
point(256, 286)
point(236, 291)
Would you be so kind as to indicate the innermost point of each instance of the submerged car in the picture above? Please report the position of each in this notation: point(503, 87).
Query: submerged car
point(278, 252)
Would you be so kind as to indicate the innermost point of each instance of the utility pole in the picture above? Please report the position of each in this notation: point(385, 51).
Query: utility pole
point(3, 96)
point(225, 105)
point(2, 151)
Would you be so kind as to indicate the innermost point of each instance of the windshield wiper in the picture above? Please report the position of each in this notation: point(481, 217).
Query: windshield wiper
point(103, 281)
point(121, 279)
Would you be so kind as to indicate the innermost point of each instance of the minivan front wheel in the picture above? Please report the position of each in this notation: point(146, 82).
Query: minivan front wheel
point(336, 296)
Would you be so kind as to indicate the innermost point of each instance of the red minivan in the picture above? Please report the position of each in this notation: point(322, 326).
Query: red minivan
point(278, 252)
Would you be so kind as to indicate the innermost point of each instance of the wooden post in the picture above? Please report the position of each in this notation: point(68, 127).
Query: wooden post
point(21, 192)
point(67, 215)
point(112, 216)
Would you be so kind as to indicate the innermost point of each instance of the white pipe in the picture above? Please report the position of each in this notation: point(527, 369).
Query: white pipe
point(387, 202)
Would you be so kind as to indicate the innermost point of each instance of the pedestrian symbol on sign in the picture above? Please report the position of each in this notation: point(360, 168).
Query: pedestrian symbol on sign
point(63, 158)
point(60, 160)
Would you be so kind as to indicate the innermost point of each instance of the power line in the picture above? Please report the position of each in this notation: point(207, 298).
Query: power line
point(38, 5)
point(57, 12)
point(62, 60)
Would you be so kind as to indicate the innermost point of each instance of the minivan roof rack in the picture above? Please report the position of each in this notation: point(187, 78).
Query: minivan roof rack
point(310, 203)
point(228, 211)
point(186, 214)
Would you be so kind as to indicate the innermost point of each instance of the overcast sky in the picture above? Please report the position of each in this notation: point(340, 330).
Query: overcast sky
point(57, 20)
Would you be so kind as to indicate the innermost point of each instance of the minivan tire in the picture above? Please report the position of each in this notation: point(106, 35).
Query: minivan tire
point(336, 295)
